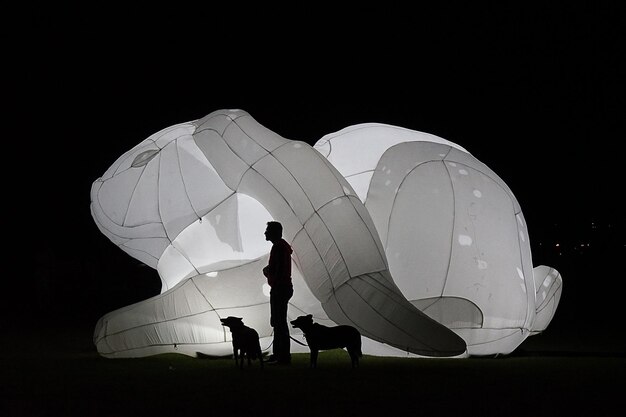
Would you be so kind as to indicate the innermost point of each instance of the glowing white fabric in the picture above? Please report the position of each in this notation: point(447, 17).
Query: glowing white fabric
point(401, 234)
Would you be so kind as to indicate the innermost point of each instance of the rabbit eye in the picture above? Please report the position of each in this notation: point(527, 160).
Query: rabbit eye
point(144, 157)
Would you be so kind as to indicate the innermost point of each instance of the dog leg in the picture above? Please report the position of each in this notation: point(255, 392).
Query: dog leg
point(355, 359)
point(236, 356)
point(314, 358)
point(240, 359)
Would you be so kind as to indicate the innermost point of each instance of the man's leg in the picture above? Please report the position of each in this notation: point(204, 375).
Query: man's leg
point(281, 327)
point(273, 317)
point(282, 334)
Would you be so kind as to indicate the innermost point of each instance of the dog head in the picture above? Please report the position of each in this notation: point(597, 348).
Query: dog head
point(232, 322)
point(303, 322)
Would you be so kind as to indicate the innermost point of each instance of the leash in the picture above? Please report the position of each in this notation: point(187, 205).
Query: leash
point(295, 340)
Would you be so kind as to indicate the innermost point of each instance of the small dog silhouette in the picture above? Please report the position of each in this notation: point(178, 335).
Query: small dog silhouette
point(321, 337)
point(245, 341)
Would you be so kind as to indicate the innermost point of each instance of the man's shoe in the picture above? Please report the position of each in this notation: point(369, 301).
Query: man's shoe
point(280, 363)
point(276, 360)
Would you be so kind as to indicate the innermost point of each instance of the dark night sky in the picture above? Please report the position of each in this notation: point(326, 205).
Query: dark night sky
point(535, 93)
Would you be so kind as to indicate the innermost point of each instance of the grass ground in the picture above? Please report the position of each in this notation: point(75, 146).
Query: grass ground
point(60, 374)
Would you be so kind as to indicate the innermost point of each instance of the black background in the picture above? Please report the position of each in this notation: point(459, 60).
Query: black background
point(534, 92)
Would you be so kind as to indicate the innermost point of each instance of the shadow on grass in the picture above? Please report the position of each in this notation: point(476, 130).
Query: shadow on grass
point(60, 373)
point(565, 354)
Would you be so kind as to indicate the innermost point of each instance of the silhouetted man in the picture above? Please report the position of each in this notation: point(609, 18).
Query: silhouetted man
point(278, 273)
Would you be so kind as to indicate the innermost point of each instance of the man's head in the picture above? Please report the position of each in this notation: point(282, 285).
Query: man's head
point(274, 231)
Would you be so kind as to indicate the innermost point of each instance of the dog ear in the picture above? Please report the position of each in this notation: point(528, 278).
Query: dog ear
point(310, 316)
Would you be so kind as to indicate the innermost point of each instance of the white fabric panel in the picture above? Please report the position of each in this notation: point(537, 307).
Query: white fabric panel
point(308, 258)
point(420, 230)
point(361, 183)
point(300, 160)
point(485, 250)
point(219, 235)
point(173, 267)
point(166, 136)
point(141, 255)
point(218, 120)
point(157, 310)
point(222, 287)
point(242, 145)
point(182, 315)
point(489, 341)
point(524, 263)
point(116, 240)
point(395, 165)
point(286, 185)
point(261, 135)
point(549, 285)
point(189, 314)
point(229, 166)
point(330, 268)
point(174, 205)
point(124, 162)
point(114, 196)
point(204, 188)
point(527, 268)
point(463, 158)
point(376, 308)
point(257, 187)
point(155, 141)
point(116, 230)
point(145, 250)
point(152, 246)
point(303, 301)
point(358, 148)
point(453, 312)
point(105, 228)
point(356, 243)
point(143, 207)
point(544, 315)
point(363, 214)
point(253, 218)
point(213, 237)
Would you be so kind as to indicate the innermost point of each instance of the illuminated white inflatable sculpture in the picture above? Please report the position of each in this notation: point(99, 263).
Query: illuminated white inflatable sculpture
point(401, 234)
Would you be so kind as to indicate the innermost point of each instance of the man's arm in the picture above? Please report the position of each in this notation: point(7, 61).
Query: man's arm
point(269, 269)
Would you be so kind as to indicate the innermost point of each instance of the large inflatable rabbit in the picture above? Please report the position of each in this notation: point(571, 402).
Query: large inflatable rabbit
point(401, 234)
